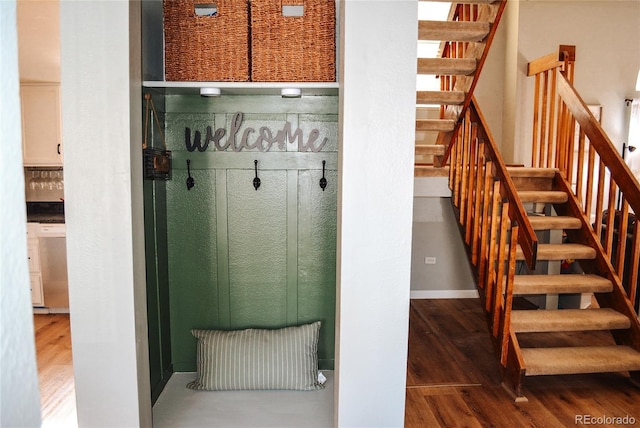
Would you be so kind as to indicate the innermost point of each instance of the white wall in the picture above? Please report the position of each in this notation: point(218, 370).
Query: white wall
point(19, 396)
point(377, 120)
point(436, 233)
point(101, 109)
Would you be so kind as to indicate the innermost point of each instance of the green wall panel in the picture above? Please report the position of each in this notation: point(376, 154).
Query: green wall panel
point(317, 257)
point(243, 258)
point(257, 228)
point(191, 224)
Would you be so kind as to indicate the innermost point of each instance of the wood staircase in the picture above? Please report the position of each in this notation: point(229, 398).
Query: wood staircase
point(464, 39)
point(520, 223)
point(548, 187)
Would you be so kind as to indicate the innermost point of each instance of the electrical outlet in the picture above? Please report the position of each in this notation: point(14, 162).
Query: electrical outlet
point(429, 260)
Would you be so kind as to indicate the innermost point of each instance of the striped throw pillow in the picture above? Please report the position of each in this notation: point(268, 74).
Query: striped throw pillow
point(254, 359)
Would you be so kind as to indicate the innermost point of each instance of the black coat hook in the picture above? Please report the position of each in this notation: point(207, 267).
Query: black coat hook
point(323, 180)
point(190, 180)
point(256, 180)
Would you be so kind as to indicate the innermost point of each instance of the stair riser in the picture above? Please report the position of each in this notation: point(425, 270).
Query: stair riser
point(532, 183)
point(555, 223)
point(554, 254)
point(545, 197)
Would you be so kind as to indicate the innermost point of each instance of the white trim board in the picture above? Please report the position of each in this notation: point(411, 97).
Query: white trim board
point(444, 294)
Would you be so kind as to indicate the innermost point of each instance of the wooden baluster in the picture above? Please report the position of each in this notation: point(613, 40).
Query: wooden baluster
point(580, 168)
point(568, 152)
point(622, 238)
point(459, 166)
point(608, 247)
point(552, 109)
point(443, 87)
point(486, 204)
point(452, 168)
point(508, 293)
point(473, 193)
point(481, 194)
point(599, 200)
point(535, 159)
point(590, 175)
point(544, 137)
point(553, 155)
point(493, 236)
point(466, 164)
point(502, 260)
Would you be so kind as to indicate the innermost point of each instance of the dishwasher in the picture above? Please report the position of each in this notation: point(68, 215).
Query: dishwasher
point(53, 267)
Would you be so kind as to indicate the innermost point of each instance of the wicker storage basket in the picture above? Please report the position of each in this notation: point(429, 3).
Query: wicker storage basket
point(293, 48)
point(206, 48)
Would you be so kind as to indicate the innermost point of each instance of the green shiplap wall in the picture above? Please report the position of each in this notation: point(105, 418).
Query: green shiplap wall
point(240, 258)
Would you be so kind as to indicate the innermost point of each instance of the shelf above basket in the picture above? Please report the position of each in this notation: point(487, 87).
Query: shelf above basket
point(243, 88)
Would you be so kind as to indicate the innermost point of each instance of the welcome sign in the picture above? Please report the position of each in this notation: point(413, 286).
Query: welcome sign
point(262, 140)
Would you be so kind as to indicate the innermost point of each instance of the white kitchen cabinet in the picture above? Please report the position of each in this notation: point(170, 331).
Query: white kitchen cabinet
point(41, 130)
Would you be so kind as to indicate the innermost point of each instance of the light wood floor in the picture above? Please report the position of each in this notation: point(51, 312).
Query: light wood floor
point(55, 370)
point(453, 378)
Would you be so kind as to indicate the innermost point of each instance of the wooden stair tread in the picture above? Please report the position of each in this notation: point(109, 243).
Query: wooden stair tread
point(440, 97)
point(554, 222)
point(430, 171)
point(548, 196)
point(435, 125)
point(447, 66)
point(560, 284)
point(453, 31)
point(430, 149)
point(574, 360)
point(561, 252)
point(522, 171)
point(529, 321)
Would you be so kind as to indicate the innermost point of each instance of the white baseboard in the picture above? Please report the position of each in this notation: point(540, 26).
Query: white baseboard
point(444, 294)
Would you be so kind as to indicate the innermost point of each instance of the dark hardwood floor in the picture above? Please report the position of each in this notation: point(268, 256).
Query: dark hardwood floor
point(55, 370)
point(453, 378)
